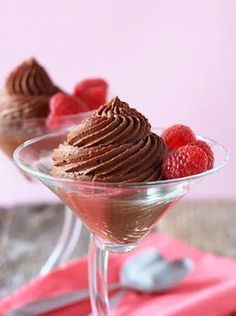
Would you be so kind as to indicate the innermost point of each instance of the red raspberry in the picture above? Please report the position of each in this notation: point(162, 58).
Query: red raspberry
point(62, 104)
point(92, 91)
point(184, 161)
point(177, 136)
point(208, 151)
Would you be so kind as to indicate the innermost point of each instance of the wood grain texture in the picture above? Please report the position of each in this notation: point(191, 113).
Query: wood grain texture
point(209, 226)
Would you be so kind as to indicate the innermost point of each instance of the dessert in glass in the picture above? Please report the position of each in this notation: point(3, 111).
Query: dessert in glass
point(109, 171)
point(24, 110)
point(23, 100)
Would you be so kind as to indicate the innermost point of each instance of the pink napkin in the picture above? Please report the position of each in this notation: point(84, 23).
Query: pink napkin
point(210, 290)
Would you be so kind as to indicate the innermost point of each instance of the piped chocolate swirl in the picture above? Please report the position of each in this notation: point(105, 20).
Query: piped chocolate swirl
point(29, 78)
point(114, 145)
point(26, 93)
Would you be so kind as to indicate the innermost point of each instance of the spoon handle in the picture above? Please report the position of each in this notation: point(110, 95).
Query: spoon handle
point(53, 303)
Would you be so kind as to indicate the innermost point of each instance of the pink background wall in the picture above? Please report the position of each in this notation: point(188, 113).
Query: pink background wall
point(173, 60)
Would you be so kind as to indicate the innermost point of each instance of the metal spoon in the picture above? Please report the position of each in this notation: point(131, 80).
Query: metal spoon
point(146, 272)
point(150, 273)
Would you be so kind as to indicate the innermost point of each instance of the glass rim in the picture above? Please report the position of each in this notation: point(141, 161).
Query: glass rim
point(42, 175)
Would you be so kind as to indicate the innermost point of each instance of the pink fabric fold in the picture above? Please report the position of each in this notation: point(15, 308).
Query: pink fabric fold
point(210, 290)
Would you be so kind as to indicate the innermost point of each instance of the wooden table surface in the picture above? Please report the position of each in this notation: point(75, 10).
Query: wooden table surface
point(28, 234)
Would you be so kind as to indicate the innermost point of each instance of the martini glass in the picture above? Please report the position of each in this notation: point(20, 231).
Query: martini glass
point(12, 134)
point(118, 215)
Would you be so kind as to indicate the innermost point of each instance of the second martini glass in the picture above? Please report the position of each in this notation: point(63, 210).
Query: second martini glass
point(12, 134)
point(118, 215)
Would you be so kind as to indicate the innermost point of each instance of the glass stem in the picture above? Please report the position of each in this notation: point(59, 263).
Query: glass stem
point(98, 262)
point(61, 246)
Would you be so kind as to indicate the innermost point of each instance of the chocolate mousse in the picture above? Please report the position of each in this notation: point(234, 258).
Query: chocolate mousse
point(114, 146)
point(24, 99)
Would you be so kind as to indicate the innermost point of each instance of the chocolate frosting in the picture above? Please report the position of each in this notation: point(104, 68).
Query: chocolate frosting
point(27, 92)
point(18, 107)
point(29, 79)
point(114, 145)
